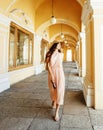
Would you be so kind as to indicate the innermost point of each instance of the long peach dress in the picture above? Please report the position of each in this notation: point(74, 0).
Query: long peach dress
point(57, 94)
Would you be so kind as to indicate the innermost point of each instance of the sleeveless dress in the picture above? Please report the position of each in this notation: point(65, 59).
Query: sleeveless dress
point(55, 63)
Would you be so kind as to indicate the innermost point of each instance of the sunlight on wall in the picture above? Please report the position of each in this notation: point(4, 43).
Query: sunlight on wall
point(101, 49)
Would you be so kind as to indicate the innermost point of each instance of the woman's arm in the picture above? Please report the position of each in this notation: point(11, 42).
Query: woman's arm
point(62, 55)
point(51, 73)
point(52, 76)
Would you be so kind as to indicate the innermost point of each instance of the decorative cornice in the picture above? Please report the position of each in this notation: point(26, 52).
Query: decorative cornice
point(86, 12)
point(21, 17)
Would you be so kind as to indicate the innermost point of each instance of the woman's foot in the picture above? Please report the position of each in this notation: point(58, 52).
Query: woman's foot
point(56, 118)
point(57, 113)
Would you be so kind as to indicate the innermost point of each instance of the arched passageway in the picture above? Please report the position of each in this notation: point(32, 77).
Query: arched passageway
point(26, 34)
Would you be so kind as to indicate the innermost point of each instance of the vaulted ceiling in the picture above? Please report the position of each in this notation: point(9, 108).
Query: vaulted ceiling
point(67, 12)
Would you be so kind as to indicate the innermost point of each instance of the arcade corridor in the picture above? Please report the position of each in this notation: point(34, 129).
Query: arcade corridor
point(27, 106)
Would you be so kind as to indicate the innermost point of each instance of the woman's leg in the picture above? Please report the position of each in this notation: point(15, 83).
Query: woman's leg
point(54, 98)
point(57, 112)
point(53, 104)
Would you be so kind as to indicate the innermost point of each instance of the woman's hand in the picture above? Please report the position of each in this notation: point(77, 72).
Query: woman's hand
point(54, 85)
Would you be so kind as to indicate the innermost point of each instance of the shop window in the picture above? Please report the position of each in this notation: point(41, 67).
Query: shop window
point(20, 47)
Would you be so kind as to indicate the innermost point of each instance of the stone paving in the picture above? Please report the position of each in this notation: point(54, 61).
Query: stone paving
point(27, 105)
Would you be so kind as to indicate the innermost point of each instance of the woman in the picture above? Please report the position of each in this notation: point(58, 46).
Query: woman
point(56, 78)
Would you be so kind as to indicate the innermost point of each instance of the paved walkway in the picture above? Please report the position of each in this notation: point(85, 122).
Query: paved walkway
point(27, 105)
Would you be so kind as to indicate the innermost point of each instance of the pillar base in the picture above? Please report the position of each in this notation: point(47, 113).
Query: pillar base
point(88, 92)
point(80, 72)
point(38, 69)
point(77, 65)
point(4, 82)
point(83, 72)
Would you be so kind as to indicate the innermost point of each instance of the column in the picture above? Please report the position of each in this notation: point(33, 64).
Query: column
point(77, 55)
point(37, 55)
point(73, 54)
point(98, 52)
point(4, 45)
point(88, 84)
point(80, 58)
point(82, 35)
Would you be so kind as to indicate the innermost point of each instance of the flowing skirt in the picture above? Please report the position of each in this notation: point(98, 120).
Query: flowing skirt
point(57, 94)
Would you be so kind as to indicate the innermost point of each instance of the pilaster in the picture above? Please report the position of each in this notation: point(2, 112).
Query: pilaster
point(97, 6)
point(73, 54)
point(77, 55)
point(4, 45)
point(88, 84)
point(38, 67)
point(82, 36)
point(80, 57)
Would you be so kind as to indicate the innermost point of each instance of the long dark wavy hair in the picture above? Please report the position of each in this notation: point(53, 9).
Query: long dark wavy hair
point(50, 52)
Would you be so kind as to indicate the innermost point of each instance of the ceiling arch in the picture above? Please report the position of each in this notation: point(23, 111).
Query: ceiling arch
point(46, 24)
point(57, 37)
point(8, 4)
point(81, 2)
point(67, 12)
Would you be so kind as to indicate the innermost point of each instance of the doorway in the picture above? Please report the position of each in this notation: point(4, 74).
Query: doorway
point(69, 55)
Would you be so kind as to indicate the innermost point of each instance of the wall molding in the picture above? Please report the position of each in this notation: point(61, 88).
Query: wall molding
point(7, 79)
point(25, 73)
point(22, 18)
point(87, 12)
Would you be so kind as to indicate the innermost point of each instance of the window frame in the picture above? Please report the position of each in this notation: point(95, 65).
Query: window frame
point(17, 28)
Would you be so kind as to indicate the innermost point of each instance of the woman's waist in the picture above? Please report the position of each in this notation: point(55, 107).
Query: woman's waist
point(57, 66)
